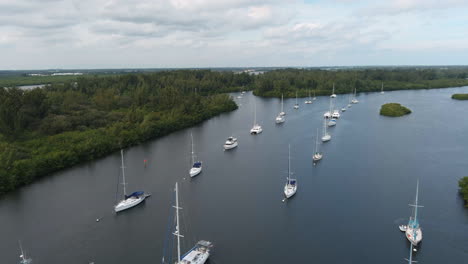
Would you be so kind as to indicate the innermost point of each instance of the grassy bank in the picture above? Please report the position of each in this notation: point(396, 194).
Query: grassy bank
point(394, 110)
point(460, 96)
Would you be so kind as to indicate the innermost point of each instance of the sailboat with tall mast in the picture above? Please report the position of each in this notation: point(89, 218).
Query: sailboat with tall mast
point(23, 258)
point(413, 230)
point(196, 165)
point(354, 101)
point(131, 200)
point(256, 129)
point(291, 184)
point(296, 105)
point(314, 98)
point(317, 155)
point(310, 99)
point(382, 92)
point(326, 136)
point(280, 118)
point(202, 249)
point(333, 95)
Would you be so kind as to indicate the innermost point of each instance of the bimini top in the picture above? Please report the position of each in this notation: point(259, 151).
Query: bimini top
point(197, 164)
point(292, 182)
point(135, 194)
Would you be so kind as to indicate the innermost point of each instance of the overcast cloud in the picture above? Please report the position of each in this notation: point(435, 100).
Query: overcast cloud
point(38, 34)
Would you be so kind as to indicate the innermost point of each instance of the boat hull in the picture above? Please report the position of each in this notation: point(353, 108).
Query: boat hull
point(410, 235)
point(129, 203)
point(317, 157)
point(195, 171)
point(230, 146)
point(326, 138)
point(289, 191)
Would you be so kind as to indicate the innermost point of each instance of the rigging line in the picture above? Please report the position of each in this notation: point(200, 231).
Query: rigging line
point(117, 189)
point(168, 234)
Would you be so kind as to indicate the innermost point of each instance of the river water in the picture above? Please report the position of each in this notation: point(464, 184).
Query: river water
point(347, 208)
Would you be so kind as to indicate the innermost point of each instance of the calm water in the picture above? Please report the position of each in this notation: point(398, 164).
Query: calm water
point(347, 209)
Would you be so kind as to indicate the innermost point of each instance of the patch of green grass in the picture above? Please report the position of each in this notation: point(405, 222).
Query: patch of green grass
point(460, 96)
point(394, 110)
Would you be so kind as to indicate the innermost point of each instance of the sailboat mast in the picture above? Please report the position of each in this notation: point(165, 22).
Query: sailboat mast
point(177, 233)
point(316, 142)
point(296, 97)
point(193, 153)
point(416, 202)
point(255, 113)
point(289, 162)
point(281, 102)
point(333, 88)
point(123, 173)
point(382, 86)
point(22, 253)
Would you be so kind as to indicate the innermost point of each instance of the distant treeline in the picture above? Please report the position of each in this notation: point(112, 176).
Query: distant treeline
point(63, 124)
point(290, 81)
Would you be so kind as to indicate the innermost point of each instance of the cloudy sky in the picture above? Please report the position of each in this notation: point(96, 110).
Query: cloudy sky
point(39, 34)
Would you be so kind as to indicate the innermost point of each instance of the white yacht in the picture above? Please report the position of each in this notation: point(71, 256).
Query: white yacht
point(196, 165)
point(23, 258)
point(310, 99)
point(197, 254)
point(331, 122)
point(280, 118)
point(336, 114)
point(413, 230)
point(382, 92)
point(131, 200)
point(296, 106)
point(343, 109)
point(317, 155)
point(326, 136)
point(230, 143)
point(333, 95)
point(291, 184)
point(256, 129)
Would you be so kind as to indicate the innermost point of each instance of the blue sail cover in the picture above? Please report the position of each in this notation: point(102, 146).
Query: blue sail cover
point(197, 164)
point(292, 182)
point(135, 194)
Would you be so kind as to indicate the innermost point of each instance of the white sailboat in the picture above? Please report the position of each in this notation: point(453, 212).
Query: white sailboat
point(317, 155)
point(328, 114)
point(354, 101)
point(413, 231)
point(343, 109)
point(200, 252)
point(131, 200)
point(382, 92)
point(256, 129)
point(196, 165)
point(296, 106)
point(326, 136)
point(291, 184)
point(230, 143)
point(349, 99)
point(23, 258)
point(333, 95)
point(280, 118)
point(310, 99)
point(314, 98)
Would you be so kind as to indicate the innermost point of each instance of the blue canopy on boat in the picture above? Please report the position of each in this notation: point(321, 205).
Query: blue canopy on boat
point(292, 182)
point(197, 164)
point(135, 194)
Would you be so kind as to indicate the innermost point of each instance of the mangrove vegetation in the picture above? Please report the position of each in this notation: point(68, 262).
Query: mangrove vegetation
point(463, 184)
point(394, 110)
point(460, 96)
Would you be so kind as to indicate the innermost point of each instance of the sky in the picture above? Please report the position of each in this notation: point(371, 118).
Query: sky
point(74, 34)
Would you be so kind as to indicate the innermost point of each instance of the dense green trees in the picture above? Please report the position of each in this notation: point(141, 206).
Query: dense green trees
point(463, 184)
point(460, 96)
point(44, 130)
point(394, 110)
point(288, 81)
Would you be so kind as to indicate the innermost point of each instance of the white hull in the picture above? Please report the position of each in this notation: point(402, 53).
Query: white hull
point(343, 109)
point(326, 138)
point(282, 114)
point(317, 157)
point(308, 102)
point(195, 171)
point(331, 123)
point(354, 101)
point(296, 107)
point(128, 203)
point(410, 235)
point(327, 114)
point(290, 190)
point(256, 130)
point(336, 114)
point(333, 96)
point(279, 119)
point(230, 146)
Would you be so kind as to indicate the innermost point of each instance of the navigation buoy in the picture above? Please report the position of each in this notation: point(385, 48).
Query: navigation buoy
point(97, 219)
point(145, 161)
point(283, 200)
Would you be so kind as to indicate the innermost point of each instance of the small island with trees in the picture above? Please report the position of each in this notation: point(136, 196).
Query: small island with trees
point(460, 96)
point(463, 183)
point(394, 110)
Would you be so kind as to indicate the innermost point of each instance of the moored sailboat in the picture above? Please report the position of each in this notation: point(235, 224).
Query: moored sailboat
point(291, 184)
point(196, 165)
point(317, 155)
point(413, 230)
point(280, 118)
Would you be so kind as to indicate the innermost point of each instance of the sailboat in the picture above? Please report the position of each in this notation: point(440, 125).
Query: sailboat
point(256, 129)
point(317, 155)
point(332, 120)
point(310, 99)
point(413, 230)
point(196, 165)
point(296, 106)
point(202, 249)
point(333, 95)
point(280, 118)
point(291, 184)
point(349, 99)
point(131, 200)
point(328, 114)
point(313, 98)
point(23, 258)
point(354, 101)
point(382, 92)
point(326, 136)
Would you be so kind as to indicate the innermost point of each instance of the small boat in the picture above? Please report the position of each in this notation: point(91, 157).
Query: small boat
point(413, 230)
point(314, 98)
point(239, 97)
point(296, 105)
point(343, 109)
point(326, 136)
point(280, 118)
point(402, 228)
point(310, 99)
point(230, 143)
point(354, 100)
point(329, 113)
point(196, 165)
point(256, 129)
point(197, 254)
point(336, 114)
point(382, 92)
point(317, 155)
point(243, 92)
point(291, 184)
point(332, 122)
point(131, 200)
point(333, 95)
point(23, 258)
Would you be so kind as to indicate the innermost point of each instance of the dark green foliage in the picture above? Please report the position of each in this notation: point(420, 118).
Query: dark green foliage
point(289, 81)
point(394, 110)
point(463, 184)
point(460, 96)
point(48, 129)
